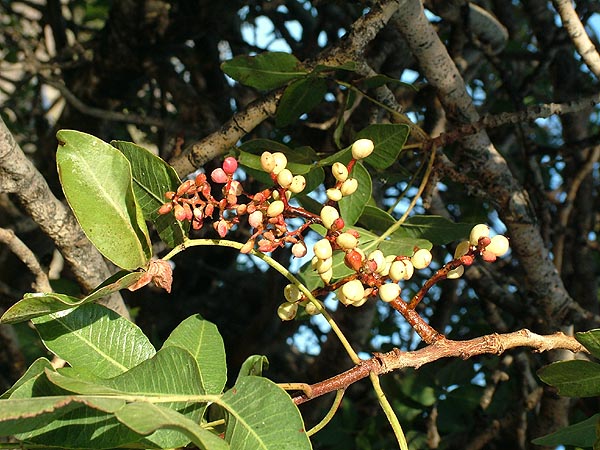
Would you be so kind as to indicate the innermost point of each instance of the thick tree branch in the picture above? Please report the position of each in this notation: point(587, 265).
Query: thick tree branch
point(20, 177)
point(495, 344)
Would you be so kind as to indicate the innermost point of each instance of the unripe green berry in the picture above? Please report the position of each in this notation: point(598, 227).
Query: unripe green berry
point(456, 273)
point(346, 241)
point(334, 194)
point(292, 293)
point(323, 249)
point(353, 291)
point(280, 162)
point(329, 215)
point(462, 248)
point(267, 162)
point(478, 231)
point(275, 208)
point(298, 184)
point(498, 246)
point(349, 187)
point(421, 258)
point(362, 148)
point(284, 178)
point(287, 310)
point(339, 171)
point(389, 292)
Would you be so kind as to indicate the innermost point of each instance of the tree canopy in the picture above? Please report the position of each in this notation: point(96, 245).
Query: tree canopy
point(481, 112)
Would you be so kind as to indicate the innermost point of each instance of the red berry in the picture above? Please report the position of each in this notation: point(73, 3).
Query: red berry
point(230, 165)
point(219, 176)
point(353, 260)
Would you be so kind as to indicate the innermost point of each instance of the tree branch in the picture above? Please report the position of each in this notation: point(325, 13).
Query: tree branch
point(20, 177)
point(495, 344)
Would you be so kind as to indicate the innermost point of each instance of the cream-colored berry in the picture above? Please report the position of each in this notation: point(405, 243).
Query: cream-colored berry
point(349, 187)
point(299, 249)
point(389, 292)
point(377, 256)
point(346, 241)
point(323, 265)
point(339, 171)
point(323, 249)
point(498, 245)
point(478, 231)
point(421, 258)
point(267, 162)
point(298, 184)
point(280, 162)
point(327, 275)
point(397, 270)
point(284, 178)
point(275, 208)
point(334, 194)
point(362, 148)
point(410, 269)
point(292, 293)
point(462, 249)
point(287, 311)
point(456, 273)
point(311, 309)
point(329, 215)
point(353, 291)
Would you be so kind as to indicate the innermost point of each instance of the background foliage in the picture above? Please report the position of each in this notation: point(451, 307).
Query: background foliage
point(150, 72)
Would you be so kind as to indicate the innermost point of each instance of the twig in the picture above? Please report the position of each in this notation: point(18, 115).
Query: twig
point(18, 247)
point(584, 46)
point(496, 344)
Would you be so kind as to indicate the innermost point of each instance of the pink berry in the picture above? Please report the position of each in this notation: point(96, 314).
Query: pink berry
point(218, 175)
point(230, 165)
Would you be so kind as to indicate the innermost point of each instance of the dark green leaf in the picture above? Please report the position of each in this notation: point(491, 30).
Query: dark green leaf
point(202, 339)
point(388, 139)
point(352, 206)
point(376, 219)
point(266, 71)
point(590, 340)
point(575, 378)
point(36, 368)
point(349, 65)
point(152, 178)
point(120, 280)
point(300, 97)
point(581, 434)
point(97, 182)
point(95, 338)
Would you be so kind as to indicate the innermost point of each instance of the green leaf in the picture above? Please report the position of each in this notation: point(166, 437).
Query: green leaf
point(376, 219)
point(145, 418)
point(300, 97)
point(348, 65)
point(262, 417)
point(24, 415)
point(575, 378)
point(266, 71)
point(97, 182)
point(436, 229)
point(352, 206)
point(581, 434)
point(95, 338)
point(388, 139)
point(120, 280)
point(300, 160)
point(253, 366)
point(152, 178)
point(202, 339)
point(590, 340)
point(35, 369)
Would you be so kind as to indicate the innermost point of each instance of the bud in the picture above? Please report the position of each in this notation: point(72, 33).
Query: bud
point(389, 292)
point(362, 148)
point(498, 245)
point(287, 310)
point(478, 231)
point(275, 208)
point(179, 212)
point(267, 162)
point(334, 194)
point(298, 184)
point(421, 258)
point(329, 215)
point(339, 171)
point(323, 249)
point(349, 187)
point(247, 247)
point(184, 187)
point(284, 178)
point(280, 162)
